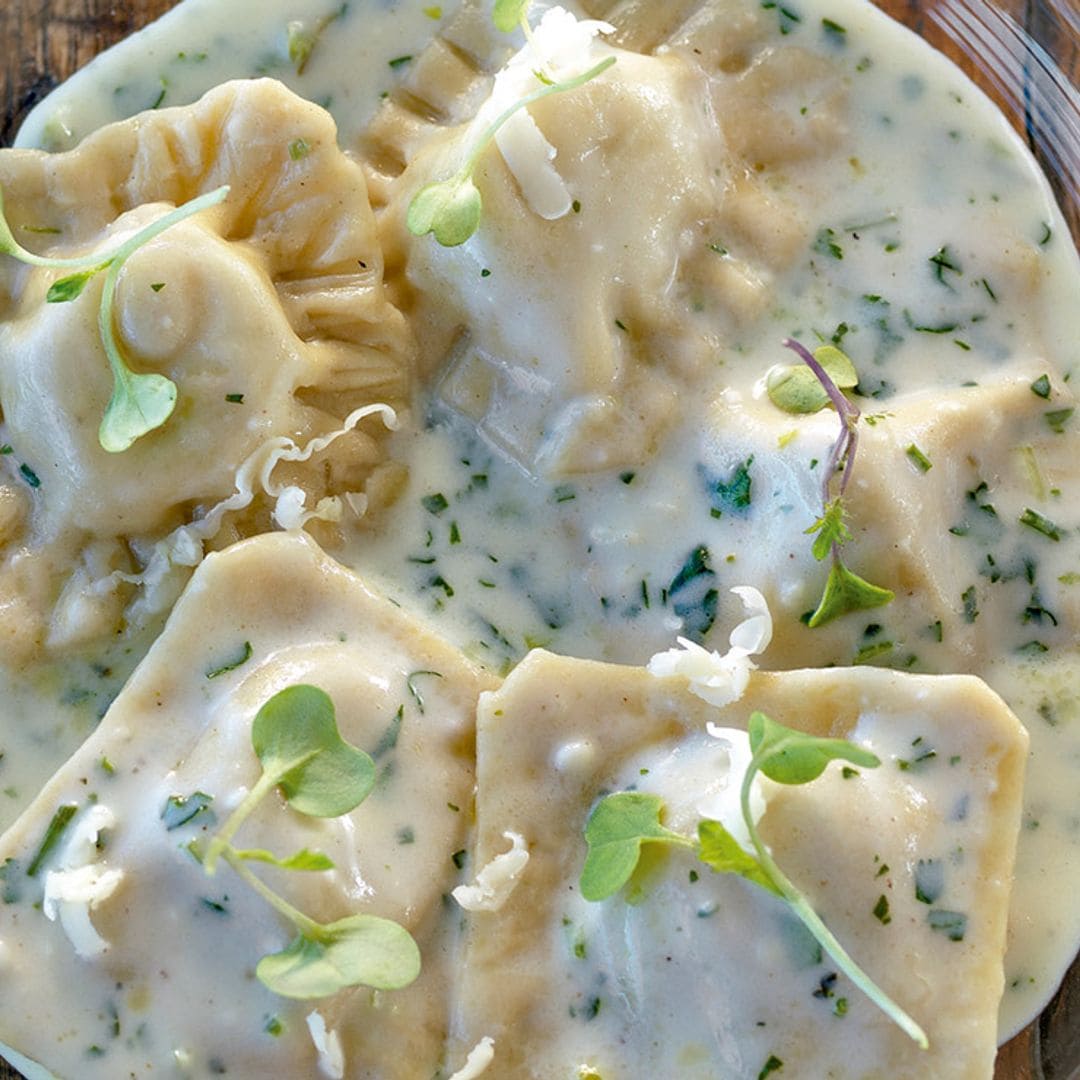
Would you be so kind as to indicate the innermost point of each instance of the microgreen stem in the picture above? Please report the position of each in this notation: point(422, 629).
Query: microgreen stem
point(810, 918)
point(843, 451)
point(306, 926)
point(489, 133)
point(223, 839)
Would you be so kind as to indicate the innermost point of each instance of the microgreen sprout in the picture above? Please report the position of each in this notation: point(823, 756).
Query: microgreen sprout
point(303, 756)
point(622, 823)
point(140, 401)
point(844, 590)
point(450, 209)
point(509, 15)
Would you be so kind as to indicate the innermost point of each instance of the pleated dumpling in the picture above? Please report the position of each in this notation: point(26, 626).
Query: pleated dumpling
point(267, 311)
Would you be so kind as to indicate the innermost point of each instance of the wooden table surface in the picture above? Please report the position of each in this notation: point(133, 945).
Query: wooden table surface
point(44, 41)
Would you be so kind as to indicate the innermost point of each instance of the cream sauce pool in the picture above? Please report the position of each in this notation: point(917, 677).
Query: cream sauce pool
point(936, 259)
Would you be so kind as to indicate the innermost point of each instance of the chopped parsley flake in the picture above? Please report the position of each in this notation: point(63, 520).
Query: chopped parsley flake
point(881, 910)
point(918, 458)
point(434, 504)
point(1034, 520)
point(953, 924)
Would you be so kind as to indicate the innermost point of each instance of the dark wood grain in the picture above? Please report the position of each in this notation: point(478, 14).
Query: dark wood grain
point(44, 41)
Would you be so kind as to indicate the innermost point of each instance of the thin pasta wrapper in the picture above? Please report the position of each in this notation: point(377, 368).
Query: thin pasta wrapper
point(702, 975)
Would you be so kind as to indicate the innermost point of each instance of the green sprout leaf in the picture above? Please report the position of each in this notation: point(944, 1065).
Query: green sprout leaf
point(450, 209)
point(845, 592)
point(140, 402)
point(617, 828)
point(830, 528)
point(296, 738)
point(509, 14)
point(796, 389)
point(70, 287)
point(300, 860)
point(721, 852)
point(362, 950)
point(793, 757)
point(623, 821)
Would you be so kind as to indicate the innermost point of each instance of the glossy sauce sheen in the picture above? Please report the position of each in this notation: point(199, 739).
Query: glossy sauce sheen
point(489, 572)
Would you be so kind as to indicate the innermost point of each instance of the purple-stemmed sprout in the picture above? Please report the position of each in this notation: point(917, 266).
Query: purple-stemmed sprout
point(847, 442)
point(844, 591)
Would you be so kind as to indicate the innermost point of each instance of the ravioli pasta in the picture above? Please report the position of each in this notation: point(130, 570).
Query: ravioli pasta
point(671, 961)
point(267, 311)
point(320, 626)
point(589, 464)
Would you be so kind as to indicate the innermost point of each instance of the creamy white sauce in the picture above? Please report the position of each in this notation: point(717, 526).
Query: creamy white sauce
point(361, 53)
point(586, 565)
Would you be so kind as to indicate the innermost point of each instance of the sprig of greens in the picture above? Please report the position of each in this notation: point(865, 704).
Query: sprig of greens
point(622, 823)
point(303, 755)
point(140, 402)
point(796, 389)
point(508, 15)
point(617, 828)
point(845, 591)
point(451, 209)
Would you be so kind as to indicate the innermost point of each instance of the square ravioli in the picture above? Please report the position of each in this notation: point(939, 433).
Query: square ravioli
point(696, 974)
point(150, 964)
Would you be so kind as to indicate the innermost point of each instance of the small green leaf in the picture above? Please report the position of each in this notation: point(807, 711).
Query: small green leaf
point(241, 657)
point(179, 809)
point(362, 950)
point(450, 210)
point(508, 14)
point(721, 852)
point(296, 738)
point(830, 529)
point(140, 403)
point(953, 924)
point(616, 829)
point(796, 389)
point(60, 821)
point(793, 757)
point(300, 860)
point(70, 287)
point(846, 592)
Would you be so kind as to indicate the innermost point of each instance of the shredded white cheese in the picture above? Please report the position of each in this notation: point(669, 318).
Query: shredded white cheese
point(183, 547)
point(80, 883)
point(477, 1061)
point(497, 880)
point(560, 46)
point(717, 679)
point(327, 1045)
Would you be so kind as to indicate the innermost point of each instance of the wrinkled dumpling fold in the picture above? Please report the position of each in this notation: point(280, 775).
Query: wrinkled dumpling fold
point(267, 311)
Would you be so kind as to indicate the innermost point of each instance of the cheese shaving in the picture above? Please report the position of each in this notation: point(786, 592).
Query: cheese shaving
point(497, 880)
point(560, 47)
point(80, 883)
point(327, 1045)
point(477, 1061)
point(183, 547)
point(720, 680)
